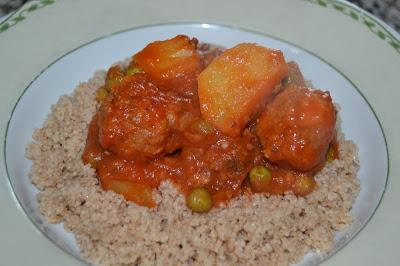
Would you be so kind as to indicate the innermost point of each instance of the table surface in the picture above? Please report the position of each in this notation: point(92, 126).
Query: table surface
point(387, 10)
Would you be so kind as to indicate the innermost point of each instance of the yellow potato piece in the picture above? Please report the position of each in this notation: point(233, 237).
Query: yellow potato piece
point(172, 64)
point(236, 85)
point(139, 193)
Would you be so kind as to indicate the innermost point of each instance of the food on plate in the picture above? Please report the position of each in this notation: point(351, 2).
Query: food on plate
point(172, 64)
point(151, 126)
point(223, 156)
point(234, 88)
point(199, 200)
point(260, 178)
point(297, 127)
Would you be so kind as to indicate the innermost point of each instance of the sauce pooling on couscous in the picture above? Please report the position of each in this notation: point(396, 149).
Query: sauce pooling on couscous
point(216, 124)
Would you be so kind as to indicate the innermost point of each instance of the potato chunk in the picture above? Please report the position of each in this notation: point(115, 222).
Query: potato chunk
point(173, 64)
point(236, 85)
point(138, 193)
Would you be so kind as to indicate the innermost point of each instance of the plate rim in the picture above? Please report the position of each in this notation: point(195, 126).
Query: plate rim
point(327, 255)
point(355, 13)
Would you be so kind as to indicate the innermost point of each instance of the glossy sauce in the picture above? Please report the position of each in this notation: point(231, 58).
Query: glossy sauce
point(144, 134)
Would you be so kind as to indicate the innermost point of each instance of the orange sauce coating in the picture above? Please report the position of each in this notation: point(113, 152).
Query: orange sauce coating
point(146, 131)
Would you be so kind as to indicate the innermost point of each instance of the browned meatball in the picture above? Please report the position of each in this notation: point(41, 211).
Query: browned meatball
point(134, 121)
point(296, 128)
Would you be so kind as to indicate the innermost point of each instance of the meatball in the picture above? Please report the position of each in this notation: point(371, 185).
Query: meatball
point(228, 155)
point(134, 122)
point(296, 128)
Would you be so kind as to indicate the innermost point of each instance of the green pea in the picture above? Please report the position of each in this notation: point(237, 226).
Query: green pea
point(101, 94)
point(204, 127)
point(115, 76)
point(199, 200)
point(260, 178)
point(112, 82)
point(132, 70)
point(94, 159)
point(304, 185)
point(330, 155)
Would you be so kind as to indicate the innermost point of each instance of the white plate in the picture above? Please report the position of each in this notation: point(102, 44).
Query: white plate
point(326, 67)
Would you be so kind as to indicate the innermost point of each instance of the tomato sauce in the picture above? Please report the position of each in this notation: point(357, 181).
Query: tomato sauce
point(144, 134)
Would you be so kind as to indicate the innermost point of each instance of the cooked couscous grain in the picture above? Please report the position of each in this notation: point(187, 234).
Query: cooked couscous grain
point(262, 230)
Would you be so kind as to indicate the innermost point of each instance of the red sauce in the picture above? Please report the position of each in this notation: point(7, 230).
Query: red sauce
point(144, 134)
point(297, 127)
point(202, 156)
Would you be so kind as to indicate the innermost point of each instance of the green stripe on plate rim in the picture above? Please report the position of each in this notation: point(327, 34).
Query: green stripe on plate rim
point(22, 13)
point(362, 16)
point(345, 8)
point(327, 255)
